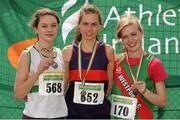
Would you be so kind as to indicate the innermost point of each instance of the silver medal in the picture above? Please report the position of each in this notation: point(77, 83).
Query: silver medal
point(55, 65)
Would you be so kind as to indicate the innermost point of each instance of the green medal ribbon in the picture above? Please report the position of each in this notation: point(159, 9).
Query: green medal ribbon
point(139, 67)
point(44, 53)
point(135, 79)
point(80, 61)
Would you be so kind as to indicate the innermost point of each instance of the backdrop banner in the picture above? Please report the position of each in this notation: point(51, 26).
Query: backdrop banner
point(160, 20)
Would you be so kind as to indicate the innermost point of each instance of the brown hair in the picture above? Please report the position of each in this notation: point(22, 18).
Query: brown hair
point(42, 12)
point(87, 9)
point(126, 20)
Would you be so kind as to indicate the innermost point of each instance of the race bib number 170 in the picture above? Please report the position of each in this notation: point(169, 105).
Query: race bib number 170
point(123, 107)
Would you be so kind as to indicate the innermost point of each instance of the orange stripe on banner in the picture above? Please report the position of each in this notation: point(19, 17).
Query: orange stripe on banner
point(14, 51)
point(93, 75)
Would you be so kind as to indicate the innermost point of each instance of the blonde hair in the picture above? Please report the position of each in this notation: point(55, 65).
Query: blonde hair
point(126, 20)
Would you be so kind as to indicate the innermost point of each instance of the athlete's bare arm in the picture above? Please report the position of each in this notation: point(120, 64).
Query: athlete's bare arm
point(67, 53)
point(110, 67)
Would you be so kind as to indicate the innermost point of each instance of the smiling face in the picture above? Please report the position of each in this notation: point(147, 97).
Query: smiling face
point(131, 38)
point(47, 28)
point(89, 23)
point(131, 33)
point(89, 26)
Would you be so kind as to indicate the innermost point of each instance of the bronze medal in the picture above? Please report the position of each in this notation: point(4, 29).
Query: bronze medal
point(135, 91)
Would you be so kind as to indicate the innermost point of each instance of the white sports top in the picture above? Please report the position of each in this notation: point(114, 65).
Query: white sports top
point(39, 106)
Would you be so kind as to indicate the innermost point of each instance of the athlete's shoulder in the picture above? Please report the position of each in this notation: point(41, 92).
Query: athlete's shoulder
point(109, 47)
point(67, 48)
point(67, 53)
point(109, 52)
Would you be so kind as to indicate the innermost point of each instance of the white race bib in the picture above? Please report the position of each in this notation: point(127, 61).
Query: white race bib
point(123, 107)
point(51, 83)
point(89, 94)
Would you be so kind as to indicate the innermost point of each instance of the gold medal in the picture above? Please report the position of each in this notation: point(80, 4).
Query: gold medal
point(83, 92)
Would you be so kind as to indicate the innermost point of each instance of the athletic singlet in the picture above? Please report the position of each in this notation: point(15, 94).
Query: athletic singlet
point(121, 81)
point(97, 74)
point(38, 106)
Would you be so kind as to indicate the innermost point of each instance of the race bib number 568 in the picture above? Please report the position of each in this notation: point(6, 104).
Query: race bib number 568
point(51, 83)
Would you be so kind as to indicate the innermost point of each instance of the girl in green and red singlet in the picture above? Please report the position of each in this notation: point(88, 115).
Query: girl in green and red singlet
point(138, 76)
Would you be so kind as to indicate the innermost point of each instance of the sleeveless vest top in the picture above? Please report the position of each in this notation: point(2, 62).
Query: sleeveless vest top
point(42, 106)
point(96, 74)
point(143, 76)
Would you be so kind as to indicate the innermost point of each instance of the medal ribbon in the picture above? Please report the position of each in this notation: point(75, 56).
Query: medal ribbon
point(139, 67)
point(80, 61)
point(46, 50)
point(42, 55)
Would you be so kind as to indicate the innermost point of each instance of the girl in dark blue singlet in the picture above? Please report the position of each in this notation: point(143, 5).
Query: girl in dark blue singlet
point(88, 67)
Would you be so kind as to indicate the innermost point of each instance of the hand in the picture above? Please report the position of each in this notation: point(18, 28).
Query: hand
point(44, 65)
point(25, 98)
point(140, 86)
point(109, 88)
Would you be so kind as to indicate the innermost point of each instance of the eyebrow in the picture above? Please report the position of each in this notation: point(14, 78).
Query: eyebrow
point(47, 23)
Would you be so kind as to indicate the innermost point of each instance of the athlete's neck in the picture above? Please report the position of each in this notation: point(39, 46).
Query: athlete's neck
point(87, 46)
point(39, 45)
point(136, 54)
